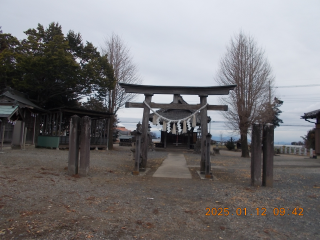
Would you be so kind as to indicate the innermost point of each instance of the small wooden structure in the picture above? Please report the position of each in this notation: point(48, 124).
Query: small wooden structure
point(147, 105)
point(20, 118)
point(56, 123)
point(314, 115)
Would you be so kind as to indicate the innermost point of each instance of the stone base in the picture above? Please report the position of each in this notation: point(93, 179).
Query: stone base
point(210, 176)
point(141, 173)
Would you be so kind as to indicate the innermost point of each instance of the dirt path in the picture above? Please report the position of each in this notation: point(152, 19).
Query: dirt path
point(39, 200)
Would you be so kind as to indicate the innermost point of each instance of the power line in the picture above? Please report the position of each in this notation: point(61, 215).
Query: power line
point(293, 86)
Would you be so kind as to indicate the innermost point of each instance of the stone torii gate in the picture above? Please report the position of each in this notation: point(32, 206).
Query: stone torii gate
point(202, 92)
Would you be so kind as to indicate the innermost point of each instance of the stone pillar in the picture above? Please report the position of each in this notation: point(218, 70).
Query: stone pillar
point(204, 132)
point(268, 142)
point(256, 155)
point(85, 146)
point(208, 173)
point(144, 136)
point(73, 145)
point(305, 151)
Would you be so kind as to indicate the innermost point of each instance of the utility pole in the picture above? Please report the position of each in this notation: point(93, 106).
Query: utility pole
point(270, 92)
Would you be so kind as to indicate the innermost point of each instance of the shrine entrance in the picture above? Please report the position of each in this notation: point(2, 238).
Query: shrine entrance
point(174, 125)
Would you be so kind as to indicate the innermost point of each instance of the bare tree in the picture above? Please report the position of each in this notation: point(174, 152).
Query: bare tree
point(125, 71)
point(245, 65)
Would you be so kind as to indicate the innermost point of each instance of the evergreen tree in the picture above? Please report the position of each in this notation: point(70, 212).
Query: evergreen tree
point(9, 46)
point(275, 107)
point(53, 69)
point(310, 139)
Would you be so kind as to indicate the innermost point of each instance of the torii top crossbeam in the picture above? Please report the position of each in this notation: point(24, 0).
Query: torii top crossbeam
point(182, 90)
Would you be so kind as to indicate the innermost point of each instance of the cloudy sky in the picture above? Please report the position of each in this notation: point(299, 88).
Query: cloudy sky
point(180, 43)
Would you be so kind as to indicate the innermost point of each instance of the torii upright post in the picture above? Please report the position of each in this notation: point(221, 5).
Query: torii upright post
point(145, 124)
point(204, 132)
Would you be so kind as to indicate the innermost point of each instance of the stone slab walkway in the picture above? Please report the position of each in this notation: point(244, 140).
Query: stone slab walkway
point(174, 166)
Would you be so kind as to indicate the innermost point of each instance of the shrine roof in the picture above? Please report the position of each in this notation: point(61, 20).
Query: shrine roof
point(13, 97)
point(176, 114)
point(312, 114)
point(81, 112)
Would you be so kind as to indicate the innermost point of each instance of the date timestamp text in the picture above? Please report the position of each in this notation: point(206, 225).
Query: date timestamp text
point(258, 212)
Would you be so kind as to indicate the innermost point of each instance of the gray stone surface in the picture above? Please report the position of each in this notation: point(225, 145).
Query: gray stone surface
point(174, 166)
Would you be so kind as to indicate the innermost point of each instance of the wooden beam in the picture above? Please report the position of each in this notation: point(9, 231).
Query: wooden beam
point(182, 90)
point(176, 106)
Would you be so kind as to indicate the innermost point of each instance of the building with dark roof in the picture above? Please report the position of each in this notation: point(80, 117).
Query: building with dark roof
point(19, 118)
point(26, 123)
point(314, 115)
point(184, 140)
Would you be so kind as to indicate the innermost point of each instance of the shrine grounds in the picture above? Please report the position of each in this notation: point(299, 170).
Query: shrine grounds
point(38, 200)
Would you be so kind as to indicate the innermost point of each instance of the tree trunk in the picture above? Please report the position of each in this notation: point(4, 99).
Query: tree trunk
point(110, 133)
point(244, 145)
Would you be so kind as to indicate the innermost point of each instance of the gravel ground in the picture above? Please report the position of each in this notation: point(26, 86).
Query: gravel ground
point(38, 200)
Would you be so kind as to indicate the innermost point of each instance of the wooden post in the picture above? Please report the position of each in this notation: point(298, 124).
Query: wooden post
point(204, 132)
point(44, 127)
point(317, 137)
point(208, 173)
point(108, 132)
point(137, 151)
point(101, 132)
point(37, 128)
point(49, 123)
point(24, 138)
point(60, 122)
point(21, 134)
point(54, 124)
point(268, 142)
point(104, 126)
point(73, 145)
point(2, 135)
point(256, 155)
point(144, 136)
point(85, 146)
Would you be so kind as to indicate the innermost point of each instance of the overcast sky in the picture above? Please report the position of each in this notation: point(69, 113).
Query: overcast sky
point(180, 43)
